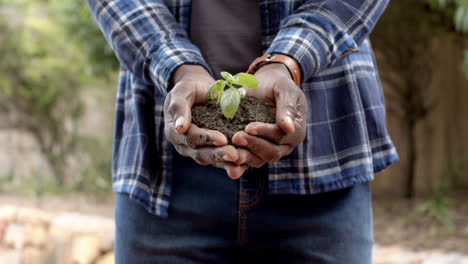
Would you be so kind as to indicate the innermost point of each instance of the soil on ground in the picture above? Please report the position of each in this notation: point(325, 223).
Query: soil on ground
point(409, 223)
point(397, 221)
point(250, 110)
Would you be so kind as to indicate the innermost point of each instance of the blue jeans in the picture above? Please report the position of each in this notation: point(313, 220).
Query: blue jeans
point(213, 219)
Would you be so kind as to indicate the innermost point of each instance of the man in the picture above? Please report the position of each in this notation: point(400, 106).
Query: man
point(301, 194)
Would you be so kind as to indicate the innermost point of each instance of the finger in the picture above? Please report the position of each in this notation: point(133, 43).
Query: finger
point(288, 98)
point(233, 171)
point(197, 137)
point(179, 110)
point(209, 155)
point(248, 158)
point(271, 132)
point(267, 151)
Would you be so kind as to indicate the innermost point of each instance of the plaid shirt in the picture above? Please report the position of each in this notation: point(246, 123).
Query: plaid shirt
point(346, 141)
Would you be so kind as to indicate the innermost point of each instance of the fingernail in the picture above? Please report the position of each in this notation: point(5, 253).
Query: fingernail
point(227, 158)
point(219, 142)
point(288, 125)
point(250, 129)
point(252, 132)
point(242, 142)
point(179, 123)
point(289, 120)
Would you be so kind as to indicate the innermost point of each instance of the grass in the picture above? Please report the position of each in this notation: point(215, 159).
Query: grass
point(46, 185)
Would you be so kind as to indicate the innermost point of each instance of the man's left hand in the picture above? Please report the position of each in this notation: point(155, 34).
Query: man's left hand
point(263, 142)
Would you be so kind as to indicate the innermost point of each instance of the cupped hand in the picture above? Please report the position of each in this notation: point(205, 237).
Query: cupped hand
point(263, 142)
point(204, 146)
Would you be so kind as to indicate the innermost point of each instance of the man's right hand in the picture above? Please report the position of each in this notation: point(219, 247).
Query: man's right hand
point(206, 147)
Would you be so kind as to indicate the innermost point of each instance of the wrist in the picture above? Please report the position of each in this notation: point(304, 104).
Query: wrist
point(275, 69)
point(288, 62)
point(187, 72)
point(194, 79)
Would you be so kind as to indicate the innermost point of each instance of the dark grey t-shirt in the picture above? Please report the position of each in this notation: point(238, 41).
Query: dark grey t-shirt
point(227, 32)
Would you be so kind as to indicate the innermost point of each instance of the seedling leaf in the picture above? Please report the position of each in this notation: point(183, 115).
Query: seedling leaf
point(230, 101)
point(227, 76)
point(215, 88)
point(220, 94)
point(245, 79)
point(242, 92)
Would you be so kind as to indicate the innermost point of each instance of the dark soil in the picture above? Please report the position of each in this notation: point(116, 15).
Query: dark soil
point(250, 110)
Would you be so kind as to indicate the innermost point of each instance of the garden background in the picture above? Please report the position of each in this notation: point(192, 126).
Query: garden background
point(57, 92)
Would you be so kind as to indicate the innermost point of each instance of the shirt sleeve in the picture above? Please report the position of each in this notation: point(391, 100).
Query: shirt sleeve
point(146, 38)
point(321, 32)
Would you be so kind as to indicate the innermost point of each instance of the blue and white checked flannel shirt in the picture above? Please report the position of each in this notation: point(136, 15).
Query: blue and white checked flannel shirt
point(347, 140)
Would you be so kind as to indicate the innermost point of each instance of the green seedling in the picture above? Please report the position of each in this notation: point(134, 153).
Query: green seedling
point(230, 98)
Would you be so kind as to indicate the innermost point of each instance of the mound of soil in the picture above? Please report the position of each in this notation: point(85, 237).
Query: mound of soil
point(250, 110)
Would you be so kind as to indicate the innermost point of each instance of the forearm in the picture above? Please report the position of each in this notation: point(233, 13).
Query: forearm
point(145, 37)
point(320, 33)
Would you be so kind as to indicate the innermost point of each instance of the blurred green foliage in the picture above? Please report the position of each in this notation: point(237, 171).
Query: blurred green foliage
point(44, 68)
point(458, 10)
point(39, 87)
point(79, 28)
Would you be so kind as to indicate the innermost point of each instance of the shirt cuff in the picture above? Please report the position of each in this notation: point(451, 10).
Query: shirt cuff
point(169, 57)
point(312, 49)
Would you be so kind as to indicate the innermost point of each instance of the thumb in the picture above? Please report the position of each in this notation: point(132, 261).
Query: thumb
point(286, 108)
point(179, 111)
point(183, 118)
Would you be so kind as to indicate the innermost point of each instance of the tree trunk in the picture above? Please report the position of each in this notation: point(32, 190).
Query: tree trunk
point(411, 168)
point(56, 165)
